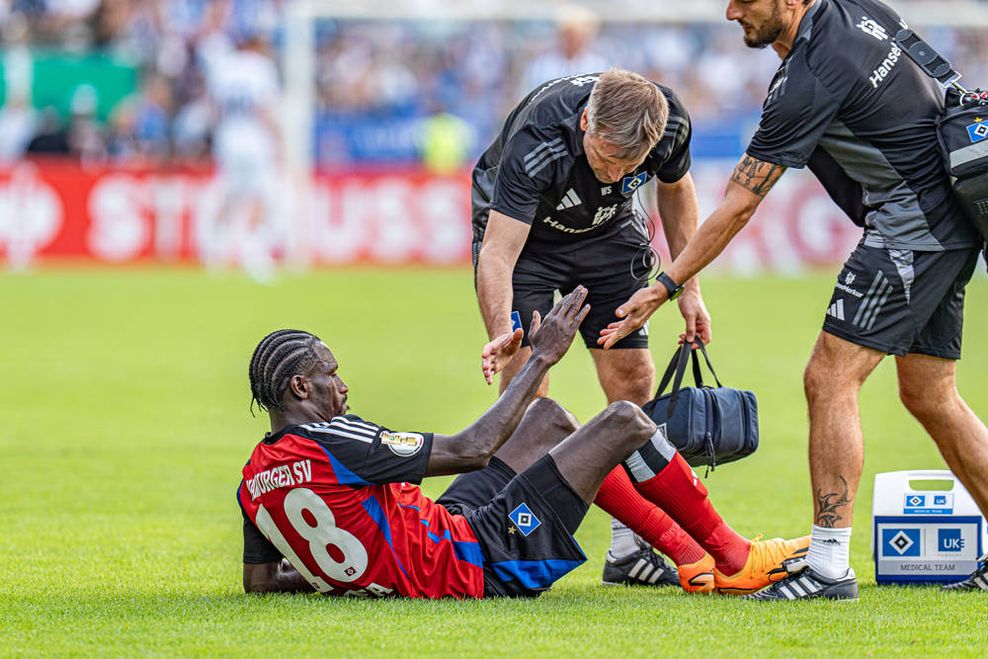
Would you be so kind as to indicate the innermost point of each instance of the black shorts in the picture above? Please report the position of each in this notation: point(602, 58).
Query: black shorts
point(611, 268)
point(524, 523)
point(901, 301)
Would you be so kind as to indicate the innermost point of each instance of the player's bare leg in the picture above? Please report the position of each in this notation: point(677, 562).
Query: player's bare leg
point(545, 425)
point(832, 381)
point(254, 249)
point(928, 389)
point(624, 375)
point(586, 457)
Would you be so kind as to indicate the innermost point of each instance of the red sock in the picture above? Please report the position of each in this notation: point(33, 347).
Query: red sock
point(618, 497)
point(677, 490)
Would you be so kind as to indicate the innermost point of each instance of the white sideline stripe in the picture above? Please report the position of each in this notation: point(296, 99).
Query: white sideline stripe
point(635, 570)
point(981, 582)
point(785, 591)
point(357, 426)
point(340, 433)
point(655, 576)
point(647, 571)
point(798, 589)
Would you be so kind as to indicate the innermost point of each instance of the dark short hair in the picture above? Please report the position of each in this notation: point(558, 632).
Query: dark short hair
point(279, 356)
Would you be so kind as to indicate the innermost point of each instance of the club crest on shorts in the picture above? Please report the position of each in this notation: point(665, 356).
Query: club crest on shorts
point(404, 444)
point(523, 518)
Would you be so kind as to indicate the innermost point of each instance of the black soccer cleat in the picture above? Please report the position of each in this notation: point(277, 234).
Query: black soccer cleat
point(809, 584)
point(641, 568)
point(977, 581)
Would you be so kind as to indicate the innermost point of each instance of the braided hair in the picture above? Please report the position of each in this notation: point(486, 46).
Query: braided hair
point(278, 357)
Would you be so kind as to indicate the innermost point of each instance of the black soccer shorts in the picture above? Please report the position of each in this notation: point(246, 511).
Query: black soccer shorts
point(524, 523)
point(901, 301)
point(611, 268)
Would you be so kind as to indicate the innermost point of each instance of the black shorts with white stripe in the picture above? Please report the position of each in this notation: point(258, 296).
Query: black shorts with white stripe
point(902, 301)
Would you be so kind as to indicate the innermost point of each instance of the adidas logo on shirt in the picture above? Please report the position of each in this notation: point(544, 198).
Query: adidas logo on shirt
point(837, 310)
point(569, 201)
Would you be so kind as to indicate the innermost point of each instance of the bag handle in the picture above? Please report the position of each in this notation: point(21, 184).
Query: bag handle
point(676, 370)
point(696, 365)
point(676, 367)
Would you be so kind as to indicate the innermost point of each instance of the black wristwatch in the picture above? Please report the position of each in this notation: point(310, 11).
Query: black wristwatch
point(675, 290)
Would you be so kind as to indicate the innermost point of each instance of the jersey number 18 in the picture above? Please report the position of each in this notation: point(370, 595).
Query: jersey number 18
point(319, 536)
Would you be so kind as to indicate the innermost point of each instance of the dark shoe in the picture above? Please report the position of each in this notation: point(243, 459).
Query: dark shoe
point(641, 568)
point(977, 581)
point(809, 584)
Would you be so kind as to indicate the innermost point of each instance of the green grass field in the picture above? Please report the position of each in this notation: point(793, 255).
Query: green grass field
point(126, 423)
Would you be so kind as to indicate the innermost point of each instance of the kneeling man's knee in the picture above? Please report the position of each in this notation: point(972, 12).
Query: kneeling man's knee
point(629, 419)
point(554, 413)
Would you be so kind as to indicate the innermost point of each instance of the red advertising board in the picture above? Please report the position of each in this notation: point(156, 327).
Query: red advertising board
point(59, 210)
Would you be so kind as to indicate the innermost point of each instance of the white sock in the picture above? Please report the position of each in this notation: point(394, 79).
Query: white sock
point(829, 552)
point(623, 540)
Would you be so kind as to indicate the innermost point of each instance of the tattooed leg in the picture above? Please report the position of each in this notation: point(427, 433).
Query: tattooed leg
point(832, 380)
point(829, 505)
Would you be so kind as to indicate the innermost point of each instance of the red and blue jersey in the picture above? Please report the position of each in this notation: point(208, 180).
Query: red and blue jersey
point(338, 500)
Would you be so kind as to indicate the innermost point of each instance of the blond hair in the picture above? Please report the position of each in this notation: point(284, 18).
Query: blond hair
point(628, 111)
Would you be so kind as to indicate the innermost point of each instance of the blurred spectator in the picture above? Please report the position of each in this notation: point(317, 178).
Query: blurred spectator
point(377, 82)
point(447, 143)
point(574, 52)
point(52, 137)
point(243, 86)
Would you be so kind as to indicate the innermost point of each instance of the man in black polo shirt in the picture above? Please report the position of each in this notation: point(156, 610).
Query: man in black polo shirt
point(553, 208)
point(849, 104)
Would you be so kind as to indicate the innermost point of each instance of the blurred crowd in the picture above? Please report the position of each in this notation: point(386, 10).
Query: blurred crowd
point(170, 45)
point(468, 74)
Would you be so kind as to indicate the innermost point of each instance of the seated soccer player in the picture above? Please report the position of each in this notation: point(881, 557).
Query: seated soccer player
point(329, 503)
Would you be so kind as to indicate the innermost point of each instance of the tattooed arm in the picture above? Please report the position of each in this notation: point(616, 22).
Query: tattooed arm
point(750, 182)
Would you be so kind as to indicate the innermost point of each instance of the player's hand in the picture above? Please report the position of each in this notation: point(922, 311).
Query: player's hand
point(696, 316)
point(498, 353)
point(633, 314)
point(552, 336)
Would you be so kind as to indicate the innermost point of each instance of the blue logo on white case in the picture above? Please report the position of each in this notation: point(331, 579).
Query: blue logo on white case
point(524, 519)
point(928, 504)
point(915, 501)
point(950, 540)
point(902, 542)
point(978, 131)
point(631, 183)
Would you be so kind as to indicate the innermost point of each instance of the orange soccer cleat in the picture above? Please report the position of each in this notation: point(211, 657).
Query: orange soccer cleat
point(764, 566)
point(697, 577)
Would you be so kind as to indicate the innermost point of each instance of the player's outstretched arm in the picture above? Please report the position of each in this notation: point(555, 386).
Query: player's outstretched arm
point(551, 337)
point(503, 241)
point(751, 181)
point(679, 213)
point(275, 577)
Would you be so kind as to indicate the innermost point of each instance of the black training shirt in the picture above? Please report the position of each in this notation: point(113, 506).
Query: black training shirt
point(848, 102)
point(536, 170)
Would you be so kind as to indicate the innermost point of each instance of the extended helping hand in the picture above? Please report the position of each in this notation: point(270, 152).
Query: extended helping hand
point(498, 353)
point(634, 313)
